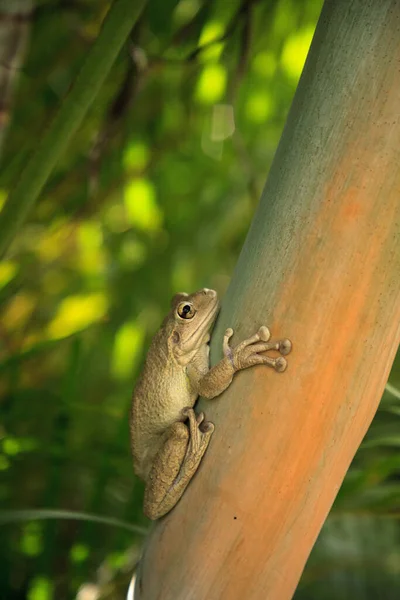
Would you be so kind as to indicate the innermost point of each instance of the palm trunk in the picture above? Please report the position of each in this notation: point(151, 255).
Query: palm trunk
point(320, 265)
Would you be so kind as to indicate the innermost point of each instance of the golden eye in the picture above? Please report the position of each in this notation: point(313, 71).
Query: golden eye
point(186, 310)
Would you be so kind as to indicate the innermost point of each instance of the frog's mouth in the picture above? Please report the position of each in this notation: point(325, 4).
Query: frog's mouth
point(212, 317)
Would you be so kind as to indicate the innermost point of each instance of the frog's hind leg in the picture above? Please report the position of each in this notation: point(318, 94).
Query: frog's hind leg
point(175, 464)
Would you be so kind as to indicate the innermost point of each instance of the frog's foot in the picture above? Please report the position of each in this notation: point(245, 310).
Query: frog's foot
point(204, 426)
point(248, 353)
point(200, 432)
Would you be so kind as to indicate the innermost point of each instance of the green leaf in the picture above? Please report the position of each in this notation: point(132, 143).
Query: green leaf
point(99, 60)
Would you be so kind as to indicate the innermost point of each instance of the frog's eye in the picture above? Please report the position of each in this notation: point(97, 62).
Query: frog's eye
point(185, 310)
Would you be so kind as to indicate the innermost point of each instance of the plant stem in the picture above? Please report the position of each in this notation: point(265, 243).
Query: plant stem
point(116, 28)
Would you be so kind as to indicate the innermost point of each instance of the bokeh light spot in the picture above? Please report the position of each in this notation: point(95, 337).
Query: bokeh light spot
point(8, 270)
point(127, 348)
point(295, 52)
point(136, 156)
point(211, 84)
point(141, 205)
point(258, 107)
point(76, 313)
point(40, 589)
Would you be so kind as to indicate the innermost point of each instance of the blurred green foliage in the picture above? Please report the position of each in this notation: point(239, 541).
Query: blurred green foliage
point(154, 195)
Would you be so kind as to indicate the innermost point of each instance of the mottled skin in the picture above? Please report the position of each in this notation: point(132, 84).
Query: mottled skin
point(168, 438)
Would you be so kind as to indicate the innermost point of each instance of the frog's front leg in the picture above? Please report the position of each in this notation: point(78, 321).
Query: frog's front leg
point(246, 354)
point(176, 463)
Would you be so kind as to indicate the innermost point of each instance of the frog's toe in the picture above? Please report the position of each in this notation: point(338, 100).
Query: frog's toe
point(200, 418)
point(264, 333)
point(207, 427)
point(185, 412)
point(285, 346)
point(280, 364)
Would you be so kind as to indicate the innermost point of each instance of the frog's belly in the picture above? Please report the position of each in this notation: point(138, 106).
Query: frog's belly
point(162, 406)
point(176, 396)
point(159, 407)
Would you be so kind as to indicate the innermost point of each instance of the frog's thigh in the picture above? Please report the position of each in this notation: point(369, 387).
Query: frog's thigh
point(166, 466)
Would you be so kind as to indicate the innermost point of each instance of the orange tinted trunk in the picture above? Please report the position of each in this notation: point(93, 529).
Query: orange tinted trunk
point(320, 265)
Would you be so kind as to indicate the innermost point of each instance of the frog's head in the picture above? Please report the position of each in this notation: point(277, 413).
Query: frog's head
point(190, 321)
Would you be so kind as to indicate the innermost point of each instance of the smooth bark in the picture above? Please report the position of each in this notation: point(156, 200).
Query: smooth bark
point(320, 265)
